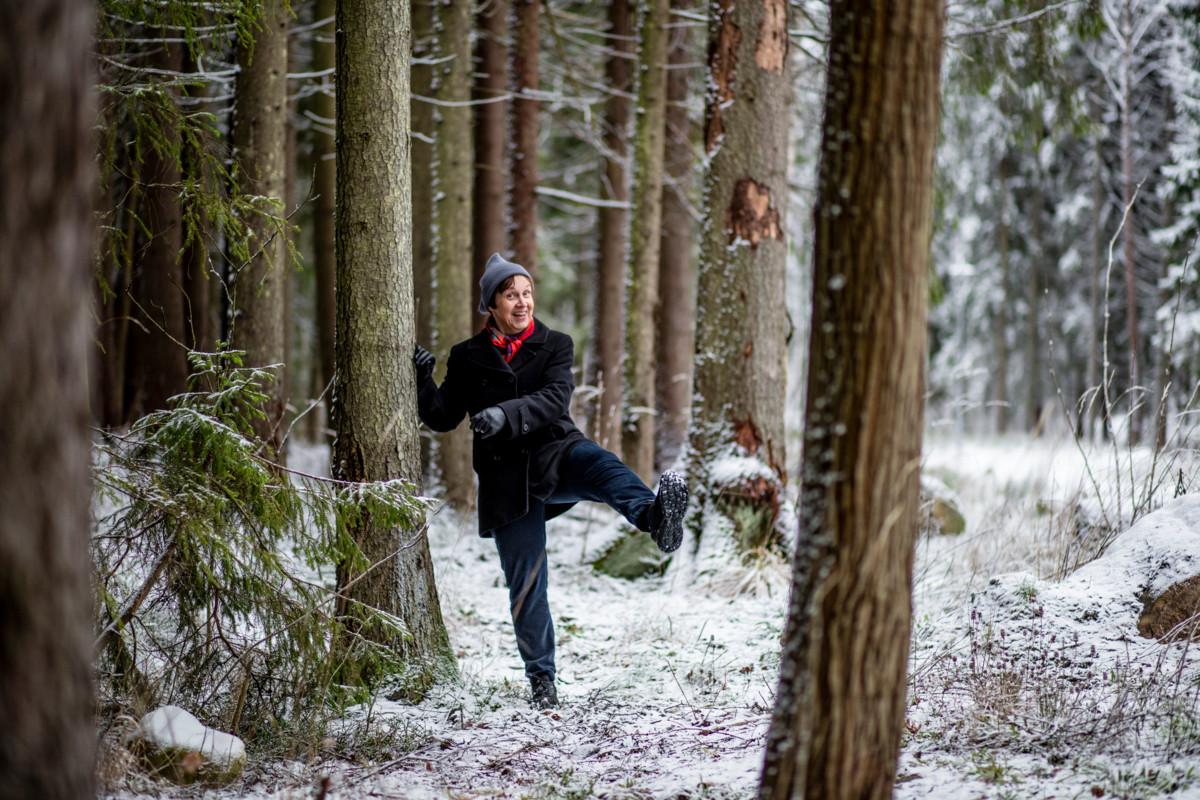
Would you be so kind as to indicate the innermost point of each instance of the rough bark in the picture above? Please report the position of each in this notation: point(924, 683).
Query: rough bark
point(610, 267)
point(46, 695)
point(637, 445)
point(839, 713)
point(325, 189)
point(453, 189)
point(424, 130)
point(490, 220)
point(523, 169)
point(260, 150)
point(375, 393)
point(677, 276)
point(156, 365)
point(741, 327)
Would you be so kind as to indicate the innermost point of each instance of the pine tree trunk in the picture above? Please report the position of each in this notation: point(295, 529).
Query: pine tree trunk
point(610, 268)
point(637, 444)
point(1001, 318)
point(839, 711)
point(1128, 248)
point(1033, 318)
point(741, 326)
point(677, 276)
point(489, 225)
point(424, 130)
point(46, 694)
point(156, 367)
point(260, 150)
point(375, 396)
point(324, 106)
point(453, 182)
point(525, 135)
point(200, 322)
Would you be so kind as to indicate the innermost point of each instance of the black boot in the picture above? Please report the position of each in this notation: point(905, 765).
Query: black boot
point(666, 515)
point(543, 691)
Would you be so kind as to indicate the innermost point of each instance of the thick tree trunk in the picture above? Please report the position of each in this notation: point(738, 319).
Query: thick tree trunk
point(610, 267)
point(453, 186)
point(637, 444)
point(324, 106)
point(677, 276)
point(741, 327)
point(376, 395)
point(490, 220)
point(839, 712)
point(525, 135)
point(260, 150)
point(48, 746)
point(156, 367)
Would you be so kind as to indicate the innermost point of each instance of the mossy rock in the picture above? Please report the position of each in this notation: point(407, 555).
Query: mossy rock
point(173, 744)
point(184, 766)
point(633, 555)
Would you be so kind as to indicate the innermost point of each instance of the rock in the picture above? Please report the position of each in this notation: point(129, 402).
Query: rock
point(175, 745)
point(631, 556)
point(939, 508)
point(1173, 615)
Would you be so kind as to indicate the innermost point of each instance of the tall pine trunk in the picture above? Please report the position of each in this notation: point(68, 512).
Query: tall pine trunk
point(839, 714)
point(424, 130)
point(453, 186)
point(610, 267)
point(260, 153)
point(48, 746)
point(525, 135)
point(156, 364)
point(376, 395)
point(677, 276)
point(490, 220)
point(741, 327)
point(637, 444)
point(324, 106)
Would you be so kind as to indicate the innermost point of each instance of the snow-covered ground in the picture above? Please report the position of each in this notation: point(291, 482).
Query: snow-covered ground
point(1027, 681)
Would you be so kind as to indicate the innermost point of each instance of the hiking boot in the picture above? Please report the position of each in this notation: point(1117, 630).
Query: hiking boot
point(543, 691)
point(666, 515)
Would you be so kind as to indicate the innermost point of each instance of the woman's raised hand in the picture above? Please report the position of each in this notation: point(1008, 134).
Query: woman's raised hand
point(424, 362)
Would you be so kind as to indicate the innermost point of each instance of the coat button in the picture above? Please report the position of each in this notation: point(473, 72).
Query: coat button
point(525, 428)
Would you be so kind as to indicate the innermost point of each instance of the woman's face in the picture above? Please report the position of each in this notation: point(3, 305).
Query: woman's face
point(514, 306)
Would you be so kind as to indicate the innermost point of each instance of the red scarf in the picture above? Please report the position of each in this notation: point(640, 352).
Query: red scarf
point(508, 345)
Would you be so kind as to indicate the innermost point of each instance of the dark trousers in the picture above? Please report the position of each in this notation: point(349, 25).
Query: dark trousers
point(587, 472)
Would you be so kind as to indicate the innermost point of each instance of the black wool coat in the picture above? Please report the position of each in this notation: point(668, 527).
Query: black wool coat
point(534, 391)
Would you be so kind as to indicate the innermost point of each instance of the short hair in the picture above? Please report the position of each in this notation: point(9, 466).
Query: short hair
point(508, 282)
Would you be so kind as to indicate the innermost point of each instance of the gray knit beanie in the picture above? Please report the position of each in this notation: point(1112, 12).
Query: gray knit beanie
point(498, 270)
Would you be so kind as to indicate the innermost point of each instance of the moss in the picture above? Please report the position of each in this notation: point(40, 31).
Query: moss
point(632, 556)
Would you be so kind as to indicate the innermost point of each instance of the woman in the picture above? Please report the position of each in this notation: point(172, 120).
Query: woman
point(514, 379)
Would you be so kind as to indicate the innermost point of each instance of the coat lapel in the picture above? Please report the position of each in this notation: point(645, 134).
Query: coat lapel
point(529, 348)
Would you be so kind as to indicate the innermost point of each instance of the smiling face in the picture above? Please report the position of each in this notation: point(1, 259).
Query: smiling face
point(513, 305)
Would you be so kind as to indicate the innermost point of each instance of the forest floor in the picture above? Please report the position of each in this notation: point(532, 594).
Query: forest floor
point(667, 683)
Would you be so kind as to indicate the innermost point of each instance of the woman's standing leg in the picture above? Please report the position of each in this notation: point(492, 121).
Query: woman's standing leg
point(522, 548)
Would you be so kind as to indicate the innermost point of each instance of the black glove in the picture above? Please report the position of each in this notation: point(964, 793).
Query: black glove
point(424, 361)
point(489, 422)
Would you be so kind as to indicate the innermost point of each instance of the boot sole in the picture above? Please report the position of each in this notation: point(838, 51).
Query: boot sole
point(674, 495)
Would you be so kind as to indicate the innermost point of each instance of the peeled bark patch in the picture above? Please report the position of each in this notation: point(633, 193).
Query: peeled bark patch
point(722, 60)
point(745, 433)
point(1175, 614)
point(771, 50)
point(752, 216)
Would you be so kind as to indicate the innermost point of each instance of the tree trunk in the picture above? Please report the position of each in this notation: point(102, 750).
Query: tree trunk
point(324, 106)
point(424, 131)
point(453, 185)
point(260, 148)
point(376, 395)
point(1001, 319)
point(156, 367)
point(46, 694)
point(741, 326)
point(610, 267)
point(200, 321)
point(489, 225)
point(839, 711)
point(1137, 399)
point(637, 444)
point(677, 276)
point(525, 136)
point(1033, 318)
